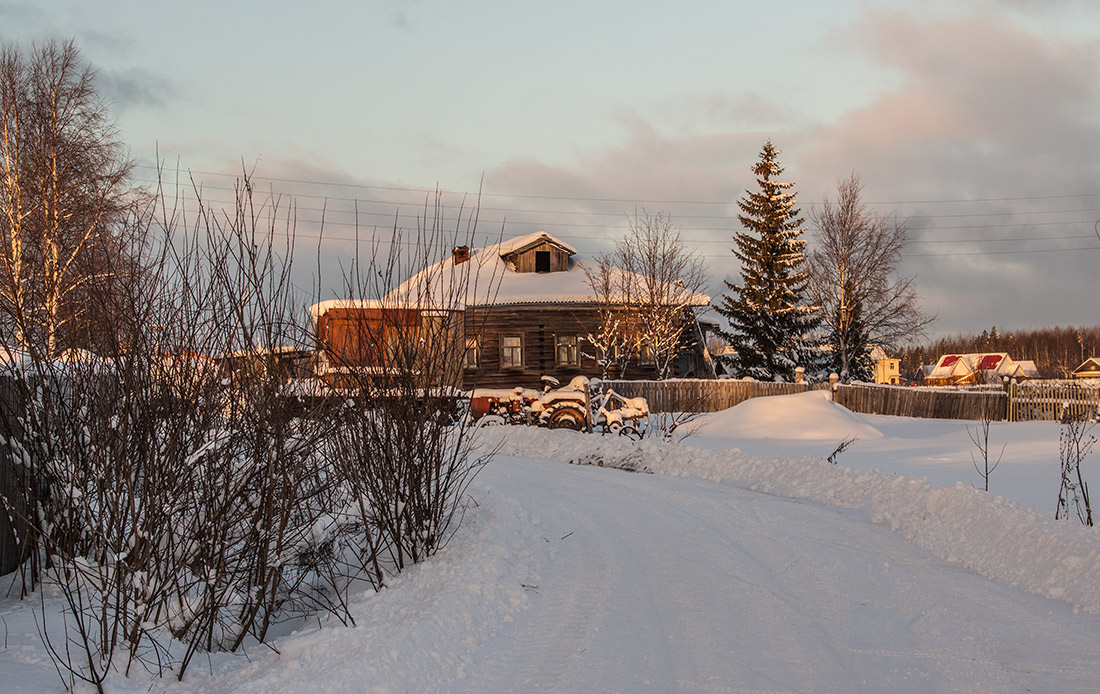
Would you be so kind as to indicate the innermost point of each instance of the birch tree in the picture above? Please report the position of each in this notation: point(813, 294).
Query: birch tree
point(67, 207)
point(611, 337)
point(853, 276)
point(663, 281)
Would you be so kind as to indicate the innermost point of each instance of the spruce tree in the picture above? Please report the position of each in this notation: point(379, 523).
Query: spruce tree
point(767, 315)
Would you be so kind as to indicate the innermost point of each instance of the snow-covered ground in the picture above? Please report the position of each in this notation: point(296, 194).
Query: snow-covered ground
point(745, 564)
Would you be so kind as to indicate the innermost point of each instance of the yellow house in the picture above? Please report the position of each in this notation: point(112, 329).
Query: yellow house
point(888, 371)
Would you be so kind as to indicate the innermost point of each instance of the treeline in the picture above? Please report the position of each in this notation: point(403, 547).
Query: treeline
point(1056, 351)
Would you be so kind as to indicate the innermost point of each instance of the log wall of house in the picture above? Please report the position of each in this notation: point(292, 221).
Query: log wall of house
point(539, 327)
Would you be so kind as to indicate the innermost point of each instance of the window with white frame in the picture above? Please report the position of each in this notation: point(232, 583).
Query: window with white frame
point(473, 353)
point(567, 351)
point(511, 351)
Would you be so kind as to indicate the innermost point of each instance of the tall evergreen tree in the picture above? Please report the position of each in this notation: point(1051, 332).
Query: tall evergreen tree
point(767, 315)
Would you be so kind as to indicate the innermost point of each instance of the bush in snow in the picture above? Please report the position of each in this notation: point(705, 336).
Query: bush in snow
point(180, 507)
point(1074, 443)
point(402, 455)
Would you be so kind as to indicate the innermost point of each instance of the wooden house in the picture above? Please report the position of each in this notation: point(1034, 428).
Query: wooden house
point(516, 311)
point(377, 340)
point(976, 369)
point(1090, 369)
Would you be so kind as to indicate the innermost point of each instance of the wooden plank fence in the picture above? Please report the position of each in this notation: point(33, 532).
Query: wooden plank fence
point(1021, 402)
point(15, 481)
point(701, 395)
point(923, 402)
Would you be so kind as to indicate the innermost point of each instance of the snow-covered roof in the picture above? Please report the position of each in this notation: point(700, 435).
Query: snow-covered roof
point(486, 279)
point(322, 307)
point(878, 353)
point(1089, 366)
point(960, 366)
point(1028, 368)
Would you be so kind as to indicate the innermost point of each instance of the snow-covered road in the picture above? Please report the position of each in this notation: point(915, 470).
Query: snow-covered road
point(666, 584)
point(725, 572)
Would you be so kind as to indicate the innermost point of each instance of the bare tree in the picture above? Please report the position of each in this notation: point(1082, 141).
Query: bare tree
point(67, 209)
point(853, 277)
point(980, 438)
point(663, 280)
point(1074, 444)
point(611, 337)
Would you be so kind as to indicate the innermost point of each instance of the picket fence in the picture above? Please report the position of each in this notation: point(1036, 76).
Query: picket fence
point(1039, 401)
point(1032, 401)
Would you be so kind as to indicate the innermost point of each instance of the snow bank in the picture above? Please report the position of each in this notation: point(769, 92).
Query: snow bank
point(803, 416)
point(415, 635)
point(989, 535)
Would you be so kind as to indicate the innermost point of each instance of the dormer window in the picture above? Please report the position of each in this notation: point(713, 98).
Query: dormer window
point(539, 252)
point(542, 261)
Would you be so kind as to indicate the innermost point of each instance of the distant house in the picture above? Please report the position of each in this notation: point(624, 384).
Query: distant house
point(975, 369)
point(921, 374)
point(1089, 369)
point(515, 311)
point(886, 370)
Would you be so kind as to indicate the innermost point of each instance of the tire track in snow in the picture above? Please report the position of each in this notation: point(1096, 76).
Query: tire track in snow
point(705, 587)
point(534, 652)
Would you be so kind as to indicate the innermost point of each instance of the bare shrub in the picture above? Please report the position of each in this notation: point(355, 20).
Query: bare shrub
point(185, 496)
point(1074, 445)
point(403, 450)
point(178, 502)
point(979, 436)
point(840, 448)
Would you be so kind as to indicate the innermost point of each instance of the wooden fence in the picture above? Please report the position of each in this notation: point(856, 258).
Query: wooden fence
point(15, 483)
point(1037, 401)
point(1020, 403)
point(701, 395)
point(923, 402)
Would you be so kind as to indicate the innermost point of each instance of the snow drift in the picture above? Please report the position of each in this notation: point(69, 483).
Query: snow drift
point(803, 416)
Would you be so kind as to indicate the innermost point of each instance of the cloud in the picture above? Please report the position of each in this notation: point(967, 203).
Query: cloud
point(984, 109)
point(133, 87)
point(25, 19)
point(978, 108)
point(983, 104)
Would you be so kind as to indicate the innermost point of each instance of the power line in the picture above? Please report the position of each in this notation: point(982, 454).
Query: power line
point(330, 237)
point(364, 186)
point(1035, 250)
point(392, 215)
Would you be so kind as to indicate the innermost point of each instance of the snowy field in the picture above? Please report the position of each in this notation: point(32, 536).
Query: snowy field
point(746, 563)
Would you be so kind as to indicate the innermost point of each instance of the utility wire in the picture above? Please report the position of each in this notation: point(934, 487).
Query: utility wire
point(335, 184)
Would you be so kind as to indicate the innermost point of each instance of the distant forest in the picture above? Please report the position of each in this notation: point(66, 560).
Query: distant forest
point(1055, 351)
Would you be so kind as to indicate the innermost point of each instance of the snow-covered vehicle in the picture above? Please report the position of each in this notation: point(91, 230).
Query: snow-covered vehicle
point(618, 414)
point(568, 407)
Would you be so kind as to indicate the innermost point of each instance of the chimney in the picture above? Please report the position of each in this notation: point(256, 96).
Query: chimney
point(460, 254)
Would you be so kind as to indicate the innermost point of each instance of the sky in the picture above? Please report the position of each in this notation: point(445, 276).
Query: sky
point(975, 122)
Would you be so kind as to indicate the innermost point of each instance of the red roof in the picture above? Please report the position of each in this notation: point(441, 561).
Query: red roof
point(989, 362)
point(949, 360)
